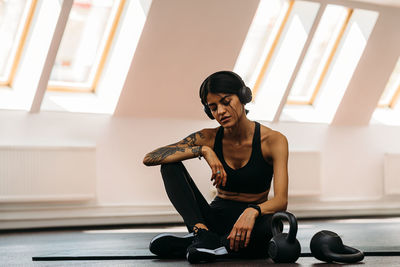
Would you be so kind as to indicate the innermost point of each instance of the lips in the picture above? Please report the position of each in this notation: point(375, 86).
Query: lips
point(225, 119)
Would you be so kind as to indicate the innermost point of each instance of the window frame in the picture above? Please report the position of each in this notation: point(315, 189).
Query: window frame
point(21, 40)
point(327, 63)
point(277, 37)
point(69, 87)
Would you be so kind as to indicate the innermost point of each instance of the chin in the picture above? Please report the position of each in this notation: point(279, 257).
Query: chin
point(228, 124)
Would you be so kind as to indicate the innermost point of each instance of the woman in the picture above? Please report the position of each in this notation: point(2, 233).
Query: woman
point(243, 156)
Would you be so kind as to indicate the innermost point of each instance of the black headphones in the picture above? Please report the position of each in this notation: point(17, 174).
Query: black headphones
point(244, 93)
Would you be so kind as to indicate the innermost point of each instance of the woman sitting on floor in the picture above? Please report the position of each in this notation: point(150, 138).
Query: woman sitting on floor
point(243, 156)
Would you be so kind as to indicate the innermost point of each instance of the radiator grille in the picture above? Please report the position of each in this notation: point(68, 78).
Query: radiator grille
point(47, 173)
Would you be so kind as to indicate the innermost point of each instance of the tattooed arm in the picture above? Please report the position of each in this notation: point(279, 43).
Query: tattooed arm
point(190, 147)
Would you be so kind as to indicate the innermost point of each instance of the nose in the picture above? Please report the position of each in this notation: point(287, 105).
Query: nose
point(221, 109)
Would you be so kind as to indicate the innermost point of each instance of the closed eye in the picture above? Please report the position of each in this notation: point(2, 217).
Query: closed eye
point(224, 101)
point(213, 107)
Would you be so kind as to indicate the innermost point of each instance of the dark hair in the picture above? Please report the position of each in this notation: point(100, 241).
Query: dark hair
point(226, 82)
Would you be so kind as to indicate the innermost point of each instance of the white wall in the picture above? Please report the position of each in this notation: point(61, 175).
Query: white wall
point(159, 105)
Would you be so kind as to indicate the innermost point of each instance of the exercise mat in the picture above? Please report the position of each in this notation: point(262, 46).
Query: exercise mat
point(376, 237)
point(82, 254)
point(145, 254)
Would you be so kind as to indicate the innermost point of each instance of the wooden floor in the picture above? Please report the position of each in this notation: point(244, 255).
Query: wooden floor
point(18, 248)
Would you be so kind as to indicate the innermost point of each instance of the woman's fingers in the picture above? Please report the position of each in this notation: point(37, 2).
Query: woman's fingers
point(214, 173)
point(238, 236)
point(231, 238)
point(247, 240)
point(243, 237)
point(238, 239)
point(223, 179)
point(218, 175)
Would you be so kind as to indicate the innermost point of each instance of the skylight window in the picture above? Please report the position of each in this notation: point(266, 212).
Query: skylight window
point(85, 44)
point(388, 109)
point(339, 70)
point(15, 17)
point(319, 55)
point(391, 94)
point(306, 59)
point(98, 90)
point(262, 37)
point(291, 29)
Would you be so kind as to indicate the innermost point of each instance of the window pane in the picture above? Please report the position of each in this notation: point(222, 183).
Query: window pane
point(284, 59)
point(391, 93)
point(317, 55)
point(260, 38)
point(339, 72)
point(12, 21)
point(86, 33)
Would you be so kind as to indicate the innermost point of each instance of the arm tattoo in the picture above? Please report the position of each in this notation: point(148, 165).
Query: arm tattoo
point(196, 151)
point(158, 155)
point(191, 139)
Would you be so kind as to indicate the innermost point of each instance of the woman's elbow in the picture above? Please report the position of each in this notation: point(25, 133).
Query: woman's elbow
point(147, 160)
point(283, 204)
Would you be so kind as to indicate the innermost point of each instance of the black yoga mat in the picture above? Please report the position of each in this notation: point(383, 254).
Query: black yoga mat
point(144, 254)
point(138, 254)
point(378, 237)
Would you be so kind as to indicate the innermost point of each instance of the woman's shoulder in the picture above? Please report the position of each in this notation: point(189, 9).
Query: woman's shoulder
point(202, 137)
point(209, 133)
point(271, 136)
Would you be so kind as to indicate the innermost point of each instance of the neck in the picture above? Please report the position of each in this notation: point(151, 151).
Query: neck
point(240, 131)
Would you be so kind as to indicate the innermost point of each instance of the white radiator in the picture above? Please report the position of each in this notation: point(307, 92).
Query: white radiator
point(391, 169)
point(30, 174)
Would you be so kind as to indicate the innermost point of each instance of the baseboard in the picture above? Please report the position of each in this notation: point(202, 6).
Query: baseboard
point(42, 216)
point(314, 207)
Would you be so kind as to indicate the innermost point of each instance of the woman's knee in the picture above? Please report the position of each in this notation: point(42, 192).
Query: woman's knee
point(172, 165)
point(171, 169)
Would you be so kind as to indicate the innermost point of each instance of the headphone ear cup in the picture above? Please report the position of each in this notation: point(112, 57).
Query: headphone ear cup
point(245, 95)
point(208, 112)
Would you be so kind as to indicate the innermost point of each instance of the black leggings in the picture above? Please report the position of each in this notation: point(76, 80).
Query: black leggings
point(219, 216)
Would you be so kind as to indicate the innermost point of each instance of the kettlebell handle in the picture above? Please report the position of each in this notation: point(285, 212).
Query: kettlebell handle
point(349, 255)
point(284, 215)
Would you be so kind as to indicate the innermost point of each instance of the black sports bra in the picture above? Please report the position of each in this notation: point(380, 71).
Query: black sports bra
point(255, 176)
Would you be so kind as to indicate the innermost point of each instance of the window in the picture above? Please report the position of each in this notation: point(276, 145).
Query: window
point(292, 24)
point(388, 109)
point(334, 81)
point(319, 55)
point(266, 28)
point(101, 94)
point(15, 17)
point(85, 45)
point(95, 63)
point(391, 94)
point(305, 61)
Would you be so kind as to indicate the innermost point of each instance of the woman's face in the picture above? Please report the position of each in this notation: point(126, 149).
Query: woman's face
point(226, 108)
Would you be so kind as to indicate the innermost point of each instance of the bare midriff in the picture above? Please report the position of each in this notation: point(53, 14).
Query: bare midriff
point(243, 197)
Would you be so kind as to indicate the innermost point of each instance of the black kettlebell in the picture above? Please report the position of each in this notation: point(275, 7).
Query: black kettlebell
point(328, 246)
point(284, 247)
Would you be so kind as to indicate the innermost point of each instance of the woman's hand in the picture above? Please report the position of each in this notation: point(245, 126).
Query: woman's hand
point(218, 171)
point(239, 236)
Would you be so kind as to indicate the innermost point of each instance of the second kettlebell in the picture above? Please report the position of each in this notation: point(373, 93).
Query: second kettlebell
point(284, 247)
point(328, 246)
